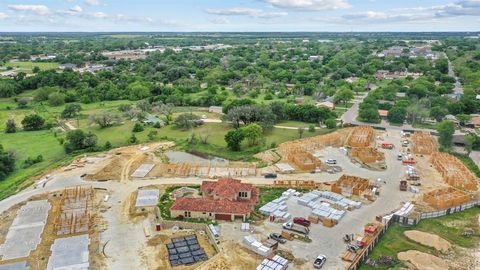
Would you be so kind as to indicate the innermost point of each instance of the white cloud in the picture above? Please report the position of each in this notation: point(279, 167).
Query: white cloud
point(99, 15)
point(3, 16)
point(309, 5)
point(76, 9)
point(37, 9)
point(220, 20)
point(251, 12)
point(92, 2)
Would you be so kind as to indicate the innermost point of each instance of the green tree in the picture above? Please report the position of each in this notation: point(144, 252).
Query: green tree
point(79, 140)
point(10, 126)
point(300, 130)
point(138, 90)
point(187, 120)
point(344, 95)
point(56, 99)
point(7, 163)
point(252, 133)
point(137, 127)
point(369, 115)
point(397, 115)
point(446, 129)
point(152, 135)
point(438, 113)
point(331, 123)
point(133, 139)
point(234, 139)
point(108, 145)
point(33, 122)
point(470, 140)
point(71, 111)
point(311, 128)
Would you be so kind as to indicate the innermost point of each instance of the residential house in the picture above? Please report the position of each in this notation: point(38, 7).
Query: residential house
point(475, 121)
point(370, 86)
point(383, 114)
point(299, 100)
point(152, 120)
point(225, 199)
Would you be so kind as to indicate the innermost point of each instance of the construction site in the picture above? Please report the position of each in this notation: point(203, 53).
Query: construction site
point(77, 216)
point(52, 231)
point(446, 197)
point(348, 186)
point(423, 143)
point(454, 172)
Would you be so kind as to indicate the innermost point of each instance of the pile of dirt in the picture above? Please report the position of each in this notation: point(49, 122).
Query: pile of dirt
point(428, 239)
point(423, 261)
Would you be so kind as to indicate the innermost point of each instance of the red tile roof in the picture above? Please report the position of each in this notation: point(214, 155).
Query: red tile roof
point(213, 206)
point(227, 188)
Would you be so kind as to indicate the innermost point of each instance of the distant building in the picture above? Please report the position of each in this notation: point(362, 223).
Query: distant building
point(299, 100)
point(326, 104)
point(400, 94)
point(370, 86)
point(215, 109)
point(313, 58)
point(383, 113)
point(204, 85)
point(475, 121)
point(225, 199)
point(351, 79)
point(289, 86)
point(67, 66)
point(152, 120)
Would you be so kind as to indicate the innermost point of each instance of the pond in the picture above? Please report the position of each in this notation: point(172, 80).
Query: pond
point(184, 157)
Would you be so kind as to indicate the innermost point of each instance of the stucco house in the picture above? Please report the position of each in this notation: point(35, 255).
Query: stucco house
point(225, 199)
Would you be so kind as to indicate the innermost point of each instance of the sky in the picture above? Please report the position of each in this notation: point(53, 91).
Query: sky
point(238, 15)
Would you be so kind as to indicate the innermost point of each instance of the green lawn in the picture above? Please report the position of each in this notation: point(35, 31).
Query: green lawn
point(448, 227)
point(28, 65)
point(32, 144)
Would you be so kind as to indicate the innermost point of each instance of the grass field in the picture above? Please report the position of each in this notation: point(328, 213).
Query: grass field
point(28, 65)
point(448, 227)
point(47, 144)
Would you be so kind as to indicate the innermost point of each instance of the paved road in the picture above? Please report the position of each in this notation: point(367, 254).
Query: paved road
point(458, 89)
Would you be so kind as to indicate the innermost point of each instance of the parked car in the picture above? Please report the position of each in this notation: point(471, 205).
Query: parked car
point(319, 261)
point(331, 161)
point(302, 221)
point(270, 175)
point(278, 237)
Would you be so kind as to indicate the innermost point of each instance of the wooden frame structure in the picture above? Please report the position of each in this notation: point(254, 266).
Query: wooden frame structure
point(446, 197)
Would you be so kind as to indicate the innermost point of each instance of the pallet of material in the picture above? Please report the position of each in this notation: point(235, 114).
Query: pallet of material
point(349, 256)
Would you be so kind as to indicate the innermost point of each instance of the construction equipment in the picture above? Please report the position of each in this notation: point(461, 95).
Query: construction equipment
point(403, 185)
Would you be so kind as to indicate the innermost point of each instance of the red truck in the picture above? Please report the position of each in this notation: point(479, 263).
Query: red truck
point(409, 161)
point(387, 145)
point(302, 221)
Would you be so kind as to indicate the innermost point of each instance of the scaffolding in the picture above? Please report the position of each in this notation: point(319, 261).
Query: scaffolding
point(423, 143)
point(446, 197)
point(76, 205)
point(453, 171)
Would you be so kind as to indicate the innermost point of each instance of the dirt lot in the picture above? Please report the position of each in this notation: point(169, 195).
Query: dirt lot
point(423, 261)
point(428, 239)
point(156, 253)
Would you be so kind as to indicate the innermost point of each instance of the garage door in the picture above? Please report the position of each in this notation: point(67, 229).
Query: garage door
point(223, 217)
